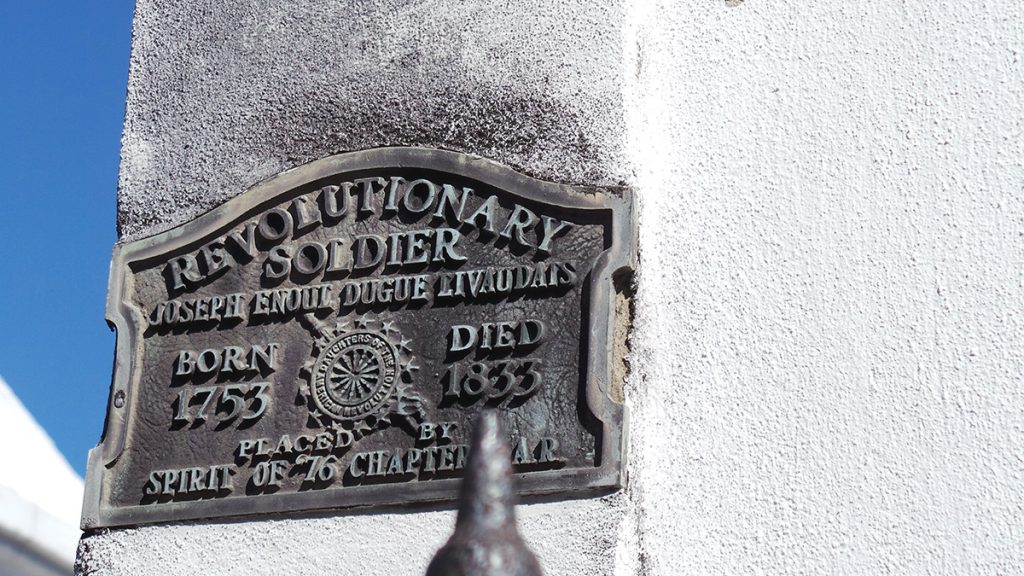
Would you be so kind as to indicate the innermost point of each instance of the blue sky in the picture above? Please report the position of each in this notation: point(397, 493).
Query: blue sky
point(64, 68)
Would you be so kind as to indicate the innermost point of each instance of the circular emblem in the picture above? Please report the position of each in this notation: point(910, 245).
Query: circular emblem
point(354, 375)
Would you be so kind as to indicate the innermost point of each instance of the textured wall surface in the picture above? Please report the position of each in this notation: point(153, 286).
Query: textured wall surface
point(225, 93)
point(830, 320)
point(829, 344)
point(569, 538)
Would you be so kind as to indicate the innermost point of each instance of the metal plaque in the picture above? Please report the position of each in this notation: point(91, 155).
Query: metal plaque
point(326, 340)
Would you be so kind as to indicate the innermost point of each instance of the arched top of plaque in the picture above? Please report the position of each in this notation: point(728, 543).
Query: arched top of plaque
point(325, 339)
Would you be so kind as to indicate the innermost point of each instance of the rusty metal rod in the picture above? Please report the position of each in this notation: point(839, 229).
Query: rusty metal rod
point(486, 541)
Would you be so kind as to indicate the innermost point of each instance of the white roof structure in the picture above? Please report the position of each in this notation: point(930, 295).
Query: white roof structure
point(40, 496)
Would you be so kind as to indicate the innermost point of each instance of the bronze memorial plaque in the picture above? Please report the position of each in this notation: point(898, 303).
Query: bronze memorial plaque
point(326, 339)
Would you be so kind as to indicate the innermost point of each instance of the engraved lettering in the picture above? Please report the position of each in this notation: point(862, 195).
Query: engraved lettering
point(496, 335)
point(224, 403)
point(446, 458)
point(356, 468)
point(269, 473)
point(274, 225)
point(520, 220)
point(184, 268)
point(446, 430)
point(369, 251)
point(305, 216)
point(391, 199)
point(446, 205)
point(329, 200)
point(310, 258)
point(247, 241)
point(546, 450)
point(494, 381)
point(415, 247)
point(365, 193)
point(214, 258)
point(485, 212)
point(521, 454)
point(227, 359)
point(186, 362)
point(207, 481)
point(290, 301)
point(426, 431)
point(552, 227)
point(278, 264)
point(394, 290)
point(444, 246)
point(410, 201)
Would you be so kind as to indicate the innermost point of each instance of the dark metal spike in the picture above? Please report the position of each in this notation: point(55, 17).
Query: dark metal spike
point(486, 541)
point(487, 499)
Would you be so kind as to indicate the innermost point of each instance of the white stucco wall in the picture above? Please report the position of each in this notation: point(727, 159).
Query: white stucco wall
point(830, 328)
point(829, 345)
point(39, 504)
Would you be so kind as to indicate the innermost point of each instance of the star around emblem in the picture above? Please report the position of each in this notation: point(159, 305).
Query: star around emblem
point(357, 378)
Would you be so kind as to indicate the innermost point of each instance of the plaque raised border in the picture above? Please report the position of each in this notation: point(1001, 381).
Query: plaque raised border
point(128, 323)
